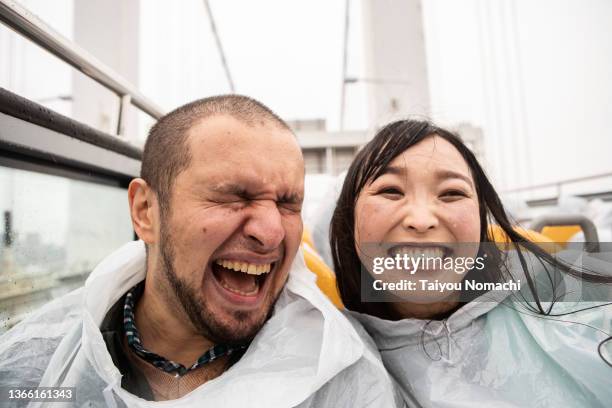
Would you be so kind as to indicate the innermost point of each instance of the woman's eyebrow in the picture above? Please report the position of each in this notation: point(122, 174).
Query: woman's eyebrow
point(395, 170)
point(440, 174)
point(450, 174)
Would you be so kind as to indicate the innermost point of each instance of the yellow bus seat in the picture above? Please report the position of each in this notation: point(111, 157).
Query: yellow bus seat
point(498, 235)
point(561, 233)
point(326, 278)
point(307, 237)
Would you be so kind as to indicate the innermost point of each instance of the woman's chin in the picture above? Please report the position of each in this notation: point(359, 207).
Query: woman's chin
point(425, 308)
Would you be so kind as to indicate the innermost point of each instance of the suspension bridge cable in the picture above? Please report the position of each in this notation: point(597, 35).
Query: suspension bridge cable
point(213, 27)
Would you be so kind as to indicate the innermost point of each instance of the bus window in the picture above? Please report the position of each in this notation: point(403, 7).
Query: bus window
point(54, 231)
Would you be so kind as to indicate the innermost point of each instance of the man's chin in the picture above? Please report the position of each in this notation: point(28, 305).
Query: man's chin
point(235, 328)
point(224, 321)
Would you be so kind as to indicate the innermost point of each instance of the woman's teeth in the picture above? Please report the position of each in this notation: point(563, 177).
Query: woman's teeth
point(251, 269)
point(412, 252)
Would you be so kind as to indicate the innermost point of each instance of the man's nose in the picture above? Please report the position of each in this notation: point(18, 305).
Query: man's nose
point(265, 227)
point(420, 217)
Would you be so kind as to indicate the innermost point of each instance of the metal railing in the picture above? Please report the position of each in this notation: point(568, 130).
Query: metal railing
point(558, 185)
point(591, 237)
point(22, 21)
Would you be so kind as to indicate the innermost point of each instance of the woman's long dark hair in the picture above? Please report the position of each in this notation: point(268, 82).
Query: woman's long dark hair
point(369, 164)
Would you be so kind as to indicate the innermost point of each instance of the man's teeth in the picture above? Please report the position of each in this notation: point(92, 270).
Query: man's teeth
point(412, 252)
point(251, 269)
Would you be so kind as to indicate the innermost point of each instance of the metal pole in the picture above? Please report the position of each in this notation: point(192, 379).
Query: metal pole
point(344, 62)
point(124, 104)
point(213, 26)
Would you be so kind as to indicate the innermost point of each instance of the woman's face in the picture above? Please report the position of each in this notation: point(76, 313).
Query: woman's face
point(425, 202)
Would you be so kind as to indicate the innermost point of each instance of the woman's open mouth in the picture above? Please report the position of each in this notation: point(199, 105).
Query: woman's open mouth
point(241, 278)
point(420, 250)
point(420, 257)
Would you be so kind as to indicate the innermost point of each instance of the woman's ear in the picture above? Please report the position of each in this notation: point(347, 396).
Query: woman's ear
point(143, 210)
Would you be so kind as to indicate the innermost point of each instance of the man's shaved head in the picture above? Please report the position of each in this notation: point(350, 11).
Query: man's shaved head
point(166, 151)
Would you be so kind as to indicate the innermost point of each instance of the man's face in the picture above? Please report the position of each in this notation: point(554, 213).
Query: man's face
point(234, 226)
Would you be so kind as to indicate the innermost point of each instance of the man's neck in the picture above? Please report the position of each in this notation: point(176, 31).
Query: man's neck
point(166, 334)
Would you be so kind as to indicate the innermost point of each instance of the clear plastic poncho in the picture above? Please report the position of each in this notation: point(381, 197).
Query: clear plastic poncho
point(306, 355)
point(500, 354)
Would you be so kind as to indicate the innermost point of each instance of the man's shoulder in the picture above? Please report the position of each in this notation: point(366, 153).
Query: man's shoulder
point(23, 363)
point(365, 383)
point(365, 337)
point(362, 384)
point(27, 348)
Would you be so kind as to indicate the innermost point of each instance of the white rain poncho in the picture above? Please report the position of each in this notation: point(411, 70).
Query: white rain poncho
point(306, 355)
point(492, 354)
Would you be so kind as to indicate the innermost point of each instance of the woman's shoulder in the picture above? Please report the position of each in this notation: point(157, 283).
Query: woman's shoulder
point(357, 324)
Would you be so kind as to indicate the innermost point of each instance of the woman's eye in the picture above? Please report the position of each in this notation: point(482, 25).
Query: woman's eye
point(453, 194)
point(390, 191)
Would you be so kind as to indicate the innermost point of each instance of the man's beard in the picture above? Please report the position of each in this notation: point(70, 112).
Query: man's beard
point(198, 312)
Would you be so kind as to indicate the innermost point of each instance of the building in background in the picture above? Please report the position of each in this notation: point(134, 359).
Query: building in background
point(395, 60)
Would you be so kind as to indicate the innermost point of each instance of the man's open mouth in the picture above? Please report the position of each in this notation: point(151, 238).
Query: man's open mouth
point(241, 278)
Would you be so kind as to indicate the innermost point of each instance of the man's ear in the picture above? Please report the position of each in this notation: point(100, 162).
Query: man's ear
point(143, 210)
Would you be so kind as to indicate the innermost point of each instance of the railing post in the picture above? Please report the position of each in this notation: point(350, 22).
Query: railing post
point(124, 104)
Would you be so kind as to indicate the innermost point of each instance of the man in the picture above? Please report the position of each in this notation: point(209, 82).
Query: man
point(201, 311)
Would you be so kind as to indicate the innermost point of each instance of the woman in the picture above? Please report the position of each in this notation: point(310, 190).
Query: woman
point(416, 187)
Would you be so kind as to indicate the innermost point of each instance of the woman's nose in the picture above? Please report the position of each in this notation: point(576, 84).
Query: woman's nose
point(420, 218)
